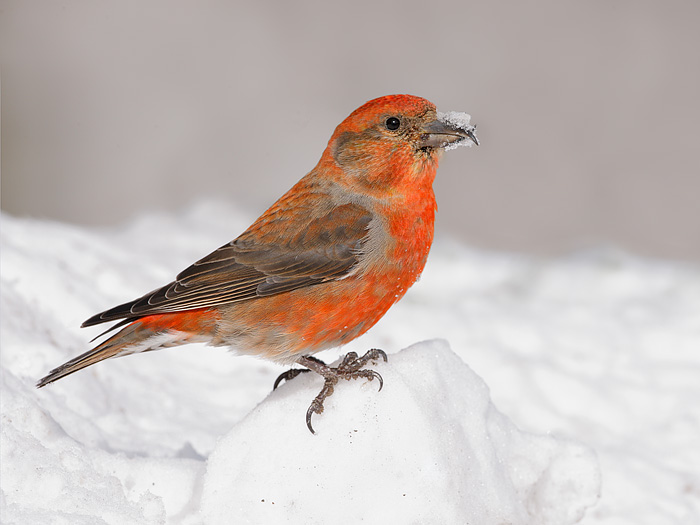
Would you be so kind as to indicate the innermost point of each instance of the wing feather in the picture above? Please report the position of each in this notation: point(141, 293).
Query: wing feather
point(322, 249)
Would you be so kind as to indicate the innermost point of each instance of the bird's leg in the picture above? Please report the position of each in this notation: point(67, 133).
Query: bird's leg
point(349, 368)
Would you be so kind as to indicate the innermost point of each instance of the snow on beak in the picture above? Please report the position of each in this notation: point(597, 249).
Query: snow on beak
point(449, 131)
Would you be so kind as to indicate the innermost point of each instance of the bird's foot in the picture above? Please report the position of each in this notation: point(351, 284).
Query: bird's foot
point(349, 368)
point(288, 376)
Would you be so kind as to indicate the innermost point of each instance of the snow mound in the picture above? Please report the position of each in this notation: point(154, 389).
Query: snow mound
point(429, 448)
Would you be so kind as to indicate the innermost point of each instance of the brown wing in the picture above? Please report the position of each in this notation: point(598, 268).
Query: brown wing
point(324, 249)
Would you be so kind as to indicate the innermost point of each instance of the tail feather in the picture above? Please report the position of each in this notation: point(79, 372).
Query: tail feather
point(146, 333)
point(91, 357)
point(132, 339)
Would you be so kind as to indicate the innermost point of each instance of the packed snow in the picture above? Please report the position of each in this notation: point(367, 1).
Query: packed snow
point(430, 449)
point(518, 390)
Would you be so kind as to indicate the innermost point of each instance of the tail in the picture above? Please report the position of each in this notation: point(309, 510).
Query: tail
point(126, 341)
point(148, 333)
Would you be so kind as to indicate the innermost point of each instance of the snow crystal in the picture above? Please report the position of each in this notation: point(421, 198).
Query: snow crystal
point(460, 121)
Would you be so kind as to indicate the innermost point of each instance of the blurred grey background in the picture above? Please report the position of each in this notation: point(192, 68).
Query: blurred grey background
point(588, 111)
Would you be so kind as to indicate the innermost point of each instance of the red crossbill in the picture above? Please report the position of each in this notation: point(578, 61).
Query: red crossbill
point(320, 267)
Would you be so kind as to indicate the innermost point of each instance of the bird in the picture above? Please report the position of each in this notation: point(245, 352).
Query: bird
point(320, 267)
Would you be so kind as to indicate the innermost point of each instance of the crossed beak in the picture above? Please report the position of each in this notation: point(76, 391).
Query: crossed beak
point(439, 134)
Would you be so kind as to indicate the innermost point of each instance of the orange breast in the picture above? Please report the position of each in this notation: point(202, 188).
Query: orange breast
point(326, 315)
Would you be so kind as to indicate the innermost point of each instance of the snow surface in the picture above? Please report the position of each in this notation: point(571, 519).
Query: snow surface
point(592, 364)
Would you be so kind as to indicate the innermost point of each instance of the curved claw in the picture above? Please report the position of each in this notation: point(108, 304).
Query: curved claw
point(382, 354)
point(378, 376)
point(288, 376)
point(309, 413)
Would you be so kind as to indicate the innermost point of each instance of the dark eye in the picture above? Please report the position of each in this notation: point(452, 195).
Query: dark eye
point(392, 123)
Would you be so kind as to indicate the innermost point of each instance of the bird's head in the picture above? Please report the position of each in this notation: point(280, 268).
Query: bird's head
point(395, 138)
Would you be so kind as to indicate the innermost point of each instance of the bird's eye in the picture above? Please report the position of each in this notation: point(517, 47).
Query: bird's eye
point(392, 123)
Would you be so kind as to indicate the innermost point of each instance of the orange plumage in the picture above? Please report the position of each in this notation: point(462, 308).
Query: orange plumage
point(321, 266)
